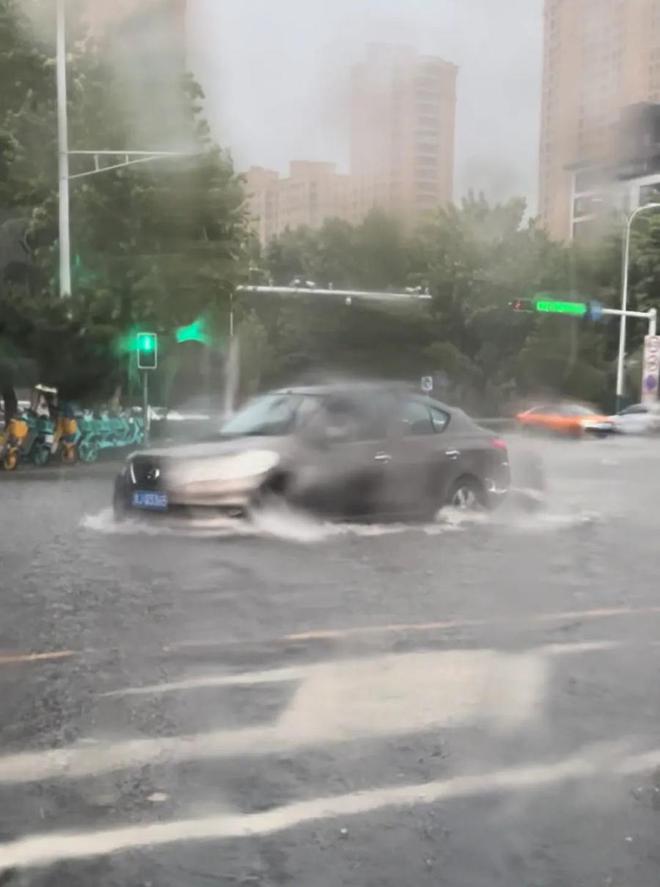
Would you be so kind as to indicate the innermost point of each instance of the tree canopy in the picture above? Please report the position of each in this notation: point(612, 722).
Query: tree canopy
point(160, 244)
point(152, 244)
point(474, 259)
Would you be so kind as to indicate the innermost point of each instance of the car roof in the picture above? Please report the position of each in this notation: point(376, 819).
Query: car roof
point(459, 418)
point(352, 387)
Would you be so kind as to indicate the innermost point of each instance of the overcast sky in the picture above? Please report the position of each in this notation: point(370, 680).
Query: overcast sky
point(275, 73)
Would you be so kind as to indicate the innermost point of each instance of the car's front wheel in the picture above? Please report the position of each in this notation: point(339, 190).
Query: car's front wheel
point(272, 493)
point(467, 495)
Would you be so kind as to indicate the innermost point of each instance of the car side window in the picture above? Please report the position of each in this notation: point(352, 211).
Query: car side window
point(440, 419)
point(416, 418)
point(347, 420)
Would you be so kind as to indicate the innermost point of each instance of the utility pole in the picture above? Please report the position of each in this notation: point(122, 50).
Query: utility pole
point(122, 158)
point(620, 367)
point(63, 155)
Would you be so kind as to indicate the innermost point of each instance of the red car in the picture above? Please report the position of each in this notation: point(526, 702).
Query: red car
point(567, 419)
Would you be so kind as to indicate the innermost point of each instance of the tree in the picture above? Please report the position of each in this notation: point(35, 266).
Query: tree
point(154, 245)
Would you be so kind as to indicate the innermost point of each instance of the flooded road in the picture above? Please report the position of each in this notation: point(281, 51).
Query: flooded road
point(469, 702)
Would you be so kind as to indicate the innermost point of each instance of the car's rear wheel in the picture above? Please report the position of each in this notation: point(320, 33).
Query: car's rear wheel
point(467, 494)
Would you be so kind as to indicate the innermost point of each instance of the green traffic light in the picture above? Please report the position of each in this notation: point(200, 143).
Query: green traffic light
point(553, 306)
point(147, 350)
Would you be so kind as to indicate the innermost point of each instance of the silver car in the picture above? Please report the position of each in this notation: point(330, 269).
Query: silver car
point(351, 450)
point(640, 418)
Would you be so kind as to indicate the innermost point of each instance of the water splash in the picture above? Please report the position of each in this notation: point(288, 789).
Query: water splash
point(289, 525)
point(282, 523)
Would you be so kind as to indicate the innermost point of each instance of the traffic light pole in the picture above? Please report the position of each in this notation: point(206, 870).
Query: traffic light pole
point(651, 316)
point(416, 295)
point(624, 313)
point(145, 405)
point(547, 304)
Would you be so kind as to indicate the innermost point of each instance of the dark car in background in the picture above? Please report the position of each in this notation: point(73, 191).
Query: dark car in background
point(348, 451)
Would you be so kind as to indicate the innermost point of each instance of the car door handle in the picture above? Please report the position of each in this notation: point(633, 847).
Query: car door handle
point(382, 457)
point(453, 454)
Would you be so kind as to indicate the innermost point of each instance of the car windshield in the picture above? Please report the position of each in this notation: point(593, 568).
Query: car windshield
point(576, 409)
point(269, 415)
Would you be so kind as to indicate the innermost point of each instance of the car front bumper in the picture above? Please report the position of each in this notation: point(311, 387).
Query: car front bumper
point(233, 500)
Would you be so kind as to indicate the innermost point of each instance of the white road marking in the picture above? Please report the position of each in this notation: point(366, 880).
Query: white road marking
point(296, 673)
point(335, 702)
point(245, 678)
point(593, 761)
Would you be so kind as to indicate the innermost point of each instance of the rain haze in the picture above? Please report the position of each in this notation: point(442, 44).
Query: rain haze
point(330, 539)
point(278, 84)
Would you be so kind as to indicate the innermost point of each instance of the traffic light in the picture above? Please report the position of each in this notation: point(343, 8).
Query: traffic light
point(523, 305)
point(550, 305)
point(558, 306)
point(147, 351)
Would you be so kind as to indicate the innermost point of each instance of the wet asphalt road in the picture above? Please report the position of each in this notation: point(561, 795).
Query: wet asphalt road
point(467, 703)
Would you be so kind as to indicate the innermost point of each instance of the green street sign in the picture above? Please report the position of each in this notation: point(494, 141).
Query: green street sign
point(556, 306)
point(197, 331)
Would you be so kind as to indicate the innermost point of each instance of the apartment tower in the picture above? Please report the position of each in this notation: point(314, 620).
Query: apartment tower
point(401, 122)
point(599, 57)
point(402, 130)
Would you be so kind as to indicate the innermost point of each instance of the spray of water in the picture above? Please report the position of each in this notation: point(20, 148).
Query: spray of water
point(290, 525)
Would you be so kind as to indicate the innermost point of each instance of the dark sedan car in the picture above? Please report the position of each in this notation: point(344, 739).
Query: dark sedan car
point(352, 451)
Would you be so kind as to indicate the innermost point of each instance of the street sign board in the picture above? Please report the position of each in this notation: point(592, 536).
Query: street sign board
point(558, 306)
point(197, 331)
point(427, 384)
point(651, 369)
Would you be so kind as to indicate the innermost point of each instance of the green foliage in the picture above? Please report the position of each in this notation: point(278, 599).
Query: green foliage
point(155, 244)
point(474, 259)
point(158, 245)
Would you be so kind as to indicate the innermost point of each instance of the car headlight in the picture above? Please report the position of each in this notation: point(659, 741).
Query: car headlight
point(250, 463)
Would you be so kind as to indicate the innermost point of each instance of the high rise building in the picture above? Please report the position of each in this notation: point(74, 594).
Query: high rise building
point(312, 192)
point(600, 57)
point(402, 130)
point(402, 150)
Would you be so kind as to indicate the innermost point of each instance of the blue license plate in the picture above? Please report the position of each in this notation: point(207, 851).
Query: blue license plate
point(149, 500)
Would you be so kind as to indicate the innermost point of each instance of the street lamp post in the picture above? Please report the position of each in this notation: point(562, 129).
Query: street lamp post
point(122, 157)
point(624, 302)
point(63, 155)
